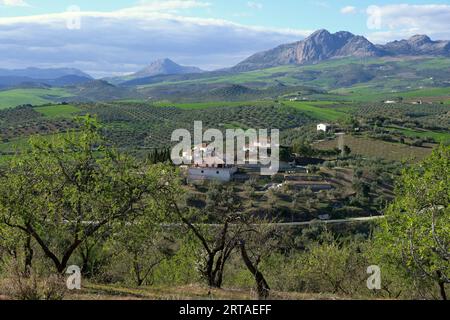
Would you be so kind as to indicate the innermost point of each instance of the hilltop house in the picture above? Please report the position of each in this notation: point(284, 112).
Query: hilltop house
point(325, 127)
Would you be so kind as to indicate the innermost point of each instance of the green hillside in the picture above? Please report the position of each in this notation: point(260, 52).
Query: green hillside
point(15, 97)
point(332, 74)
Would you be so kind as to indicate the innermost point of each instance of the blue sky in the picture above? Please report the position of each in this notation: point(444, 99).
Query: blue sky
point(122, 36)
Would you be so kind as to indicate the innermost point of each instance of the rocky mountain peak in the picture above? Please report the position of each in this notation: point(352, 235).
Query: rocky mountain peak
point(419, 40)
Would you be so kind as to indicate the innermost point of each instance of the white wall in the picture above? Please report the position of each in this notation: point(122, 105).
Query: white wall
point(221, 174)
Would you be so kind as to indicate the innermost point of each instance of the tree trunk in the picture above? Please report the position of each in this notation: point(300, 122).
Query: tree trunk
point(209, 271)
point(442, 290)
point(262, 287)
point(28, 255)
point(137, 270)
point(85, 264)
point(441, 284)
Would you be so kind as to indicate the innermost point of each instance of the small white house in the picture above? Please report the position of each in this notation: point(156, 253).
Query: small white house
point(223, 174)
point(211, 168)
point(325, 127)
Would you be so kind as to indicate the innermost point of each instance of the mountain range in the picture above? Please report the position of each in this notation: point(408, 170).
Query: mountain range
point(323, 45)
point(36, 77)
point(311, 63)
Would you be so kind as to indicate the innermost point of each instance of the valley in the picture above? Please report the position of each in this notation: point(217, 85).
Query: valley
point(90, 160)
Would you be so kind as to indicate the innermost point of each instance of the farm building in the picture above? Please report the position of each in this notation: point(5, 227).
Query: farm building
point(325, 127)
point(212, 168)
point(223, 174)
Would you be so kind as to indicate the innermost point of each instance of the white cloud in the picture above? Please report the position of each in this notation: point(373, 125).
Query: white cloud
point(348, 10)
point(14, 3)
point(168, 5)
point(392, 22)
point(255, 5)
point(125, 40)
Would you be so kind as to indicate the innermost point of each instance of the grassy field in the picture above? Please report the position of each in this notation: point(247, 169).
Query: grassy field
point(321, 110)
point(15, 97)
point(367, 92)
point(58, 111)
point(379, 149)
point(437, 136)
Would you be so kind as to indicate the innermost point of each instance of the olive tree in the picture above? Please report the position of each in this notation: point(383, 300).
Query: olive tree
point(417, 225)
point(67, 189)
point(217, 229)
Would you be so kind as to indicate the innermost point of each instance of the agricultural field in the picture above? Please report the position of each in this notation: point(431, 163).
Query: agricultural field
point(140, 125)
point(370, 93)
point(16, 97)
point(207, 105)
point(437, 136)
point(430, 117)
point(58, 111)
point(322, 110)
point(373, 148)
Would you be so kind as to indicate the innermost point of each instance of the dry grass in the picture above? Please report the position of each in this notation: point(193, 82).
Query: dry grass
point(187, 292)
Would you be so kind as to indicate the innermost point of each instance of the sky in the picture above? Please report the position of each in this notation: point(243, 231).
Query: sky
point(105, 38)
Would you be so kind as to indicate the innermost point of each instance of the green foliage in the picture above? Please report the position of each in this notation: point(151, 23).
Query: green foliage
point(181, 268)
point(143, 246)
point(66, 190)
point(416, 231)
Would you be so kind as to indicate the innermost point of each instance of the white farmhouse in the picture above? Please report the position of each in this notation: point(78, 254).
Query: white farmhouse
point(212, 168)
point(223, 174)
point(323, 127)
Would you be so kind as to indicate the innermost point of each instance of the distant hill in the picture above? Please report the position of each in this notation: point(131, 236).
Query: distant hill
point(158, 68)
point(14, 81)
point(42, 77)
point(165, 67)
point(100, 90)
point(323, 45)
point(38, 73)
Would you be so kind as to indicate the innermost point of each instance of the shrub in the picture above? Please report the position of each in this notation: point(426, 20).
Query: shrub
point(33, 286)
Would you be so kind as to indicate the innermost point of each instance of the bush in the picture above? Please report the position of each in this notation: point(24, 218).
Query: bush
point(33, 286)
